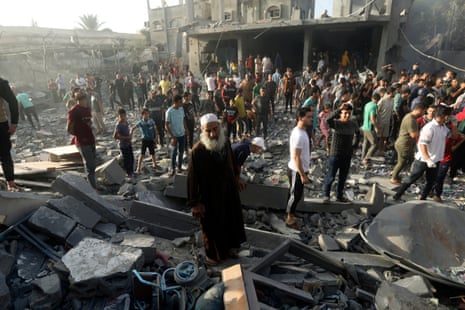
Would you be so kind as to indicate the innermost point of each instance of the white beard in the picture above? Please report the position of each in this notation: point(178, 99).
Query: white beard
point(215, 145)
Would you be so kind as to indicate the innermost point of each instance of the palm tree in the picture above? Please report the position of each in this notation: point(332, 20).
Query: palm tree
point(90, 22)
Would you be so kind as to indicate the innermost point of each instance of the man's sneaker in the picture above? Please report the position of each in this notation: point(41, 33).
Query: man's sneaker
point(437, 199)
point(343, 200)
point(326, 199)
point(397, 199)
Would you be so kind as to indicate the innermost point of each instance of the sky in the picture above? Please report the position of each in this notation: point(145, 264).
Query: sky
point(119, 16)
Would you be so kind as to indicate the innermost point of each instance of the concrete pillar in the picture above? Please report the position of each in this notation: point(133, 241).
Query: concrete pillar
point(240, 54)
point(221, 10)
point(194, 56)
point(190, 10)
point(383, 47)
point(308, 34)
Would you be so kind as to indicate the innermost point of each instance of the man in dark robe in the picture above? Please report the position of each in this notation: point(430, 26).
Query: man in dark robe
point(213, 192)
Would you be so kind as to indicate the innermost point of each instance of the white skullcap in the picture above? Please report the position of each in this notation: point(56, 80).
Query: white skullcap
point(258, 141)
point(208, 118)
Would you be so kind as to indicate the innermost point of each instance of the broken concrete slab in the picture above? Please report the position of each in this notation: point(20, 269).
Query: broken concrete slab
point(52, 223)
point(327, 243)
point(78, 234)
point(178, 188)
point(47, 292)
point(141, 241)
point(263, 196)
point(16, 206)
point(76, 186)
point(111, 172)
point(161, 221)
point(107, 267)
point(76, 210)
point(416, 284)
point(158, 198)
point(106, 229)
point(391, 296)
point(347, 237)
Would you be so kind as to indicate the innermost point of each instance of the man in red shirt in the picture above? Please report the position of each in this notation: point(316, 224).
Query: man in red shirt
point(80, 126)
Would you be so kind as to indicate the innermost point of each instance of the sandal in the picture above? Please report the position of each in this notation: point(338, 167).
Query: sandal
point(15, 189)
point(293, 225)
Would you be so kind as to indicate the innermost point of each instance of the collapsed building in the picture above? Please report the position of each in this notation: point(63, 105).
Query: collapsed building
point(204, 32)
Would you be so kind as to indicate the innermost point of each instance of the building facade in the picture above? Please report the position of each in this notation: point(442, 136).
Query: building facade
point(206, 34)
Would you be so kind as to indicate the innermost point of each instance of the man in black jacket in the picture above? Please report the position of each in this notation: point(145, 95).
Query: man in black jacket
point(345, 138)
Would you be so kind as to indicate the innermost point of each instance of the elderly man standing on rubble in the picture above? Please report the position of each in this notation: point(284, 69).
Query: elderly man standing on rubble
point(213, 192)
point(299, 163)
point(7, 128)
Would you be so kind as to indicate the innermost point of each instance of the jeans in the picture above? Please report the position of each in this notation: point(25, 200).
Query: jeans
point(369, 144)
point(296, 191)
point(261, 120)
point(335, 163)
point(128, 160)
point(442, 170)
point(88, 154)
point(179, 146)
point(5, 155)
point(417, 170)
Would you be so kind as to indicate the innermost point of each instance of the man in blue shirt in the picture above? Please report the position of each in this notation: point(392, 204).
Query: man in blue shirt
point(175, 127)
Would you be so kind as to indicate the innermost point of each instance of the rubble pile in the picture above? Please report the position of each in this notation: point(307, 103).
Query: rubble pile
point(66, 246)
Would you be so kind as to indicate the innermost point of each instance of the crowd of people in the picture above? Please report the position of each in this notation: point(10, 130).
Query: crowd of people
point(412, 115)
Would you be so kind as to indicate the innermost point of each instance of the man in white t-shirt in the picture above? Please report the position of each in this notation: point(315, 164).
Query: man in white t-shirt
point(299, 163)
point(431, 146)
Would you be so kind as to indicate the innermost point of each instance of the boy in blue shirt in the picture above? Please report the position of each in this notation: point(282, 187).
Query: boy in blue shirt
point(149, 138)
point(124, 135)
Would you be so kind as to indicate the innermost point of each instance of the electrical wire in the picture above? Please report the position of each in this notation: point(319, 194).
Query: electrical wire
point(429, 56)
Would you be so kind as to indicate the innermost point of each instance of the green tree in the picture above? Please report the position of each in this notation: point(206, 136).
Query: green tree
point(90, 22)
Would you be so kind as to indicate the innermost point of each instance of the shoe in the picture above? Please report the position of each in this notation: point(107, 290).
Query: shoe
point(421, 198)
point(171, 173)
point(343, 200)
point(179, 170)
point(15, 189)
point(437, 199)
point(395, 182)
point(326, 199)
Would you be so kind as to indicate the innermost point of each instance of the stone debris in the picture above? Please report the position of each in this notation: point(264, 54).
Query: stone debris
point(99, 237)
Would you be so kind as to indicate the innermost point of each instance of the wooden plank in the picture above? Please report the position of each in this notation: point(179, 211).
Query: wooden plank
point(235, 296)
point(60, 153)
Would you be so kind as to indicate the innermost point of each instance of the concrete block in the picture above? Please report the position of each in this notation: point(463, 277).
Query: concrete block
point(16, 206)
point(78, 234)
point(100, 267)
point(263, 196)
point(76, 186)
point(5, 297)
point(76, 210)
point(106, 229)
point(144, 242)
point(416, 284)
point(52, 223)
point(6, 262)
point(178, 188)
point(158, 198)
point(347, 237)
point(327, 243)
point(46, 292)
point(174, 223)
point(111, 172)
point(375, 198)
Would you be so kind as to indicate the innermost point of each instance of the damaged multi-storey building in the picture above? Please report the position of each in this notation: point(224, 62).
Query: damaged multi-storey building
point(205, 33)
